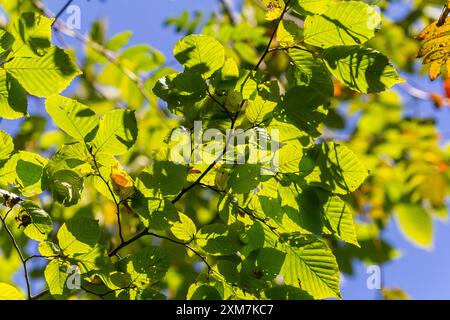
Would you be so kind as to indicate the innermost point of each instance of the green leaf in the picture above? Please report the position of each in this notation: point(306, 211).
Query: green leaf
point(205, 292)
point(78, 235)
point(118, 41)
point(41, 223)
point(312, 77)
point(287, 158)
point(147, 266)
point(340, 219)
point(314, 6)
point(74, 118)
point(218, 239)
point(46, 75)
point(56, 277)
point(157, 213)
point(416, 224)
point(287, 293)
point(49, 249)
point(24, 169)
point(8, 292)
point(201, 54)
point(33, 34)
point(343, 23)
point(313, 268)
point(6, 42)
point(13, 98)
point(261, 265)
point(117, 132)
point(6, 145)
point(66, 187)
point(305, 116)
point(184, 229)
point(333, 167)
point(259, 110)
point(361, 69)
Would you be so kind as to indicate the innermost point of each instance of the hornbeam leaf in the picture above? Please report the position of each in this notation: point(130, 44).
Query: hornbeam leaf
point(343, 23)
point(74, 118)
point(56, 277)
point(361, 69)
point(46, 75)
point(6, 145)
point(8, 292)
point(416, 224)
point(340, 219)
point(201, 54)
point(78, 235)
point(333, 167)
point(117, 132)
point(148, 265)
point(313, 268)
point(41, 223)
point(184, 229)
point(32, 33)
point(13, 98)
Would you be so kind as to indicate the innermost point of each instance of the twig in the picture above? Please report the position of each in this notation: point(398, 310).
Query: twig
point(444, 14)
point(208, 92)
point(58, 15)
point(16, 246)
point(146, 232)
point(117, 203)
point(141, 234)
point(40, 295)
point(236, 116)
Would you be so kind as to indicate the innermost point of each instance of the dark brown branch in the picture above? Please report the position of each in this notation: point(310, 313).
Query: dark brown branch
point(146, 232)
point(444, 14)
point(60, 12)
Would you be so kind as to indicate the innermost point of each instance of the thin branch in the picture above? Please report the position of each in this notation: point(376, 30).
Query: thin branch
point(59, 14)
point(253, 216)
point(444, 14)
point(208, 92)
point(39, 257)
point(128, 242)
point(40, 295)
point(236, 116)
point(16, 246)
point(117, 203)
point(146, 232)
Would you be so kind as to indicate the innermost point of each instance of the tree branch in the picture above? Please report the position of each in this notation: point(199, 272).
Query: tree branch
point(17, 248)
point(236, 116)
point(117, 203)
point(60, 12)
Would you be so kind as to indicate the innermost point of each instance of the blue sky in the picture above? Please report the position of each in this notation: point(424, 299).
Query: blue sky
point(424, 274)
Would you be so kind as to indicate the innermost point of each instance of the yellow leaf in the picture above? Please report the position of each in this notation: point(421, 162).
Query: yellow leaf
point(435, 50)
point(121, 181)
point(274, 7)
